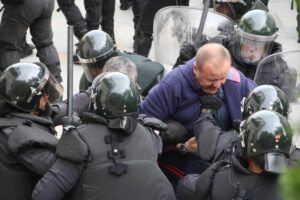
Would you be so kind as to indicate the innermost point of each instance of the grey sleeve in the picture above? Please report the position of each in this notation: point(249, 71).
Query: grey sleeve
point(186, 187)
point(37, 160)
point(207, 136)
point(60, 179)
point(81, 102)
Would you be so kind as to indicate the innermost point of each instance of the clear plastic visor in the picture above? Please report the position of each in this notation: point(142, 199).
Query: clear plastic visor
point(275, 162)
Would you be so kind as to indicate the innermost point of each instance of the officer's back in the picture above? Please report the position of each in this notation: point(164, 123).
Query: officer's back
point(120, 155)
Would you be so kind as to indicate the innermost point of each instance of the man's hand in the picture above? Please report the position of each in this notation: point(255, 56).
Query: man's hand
point(188, 146)
point(210, 102)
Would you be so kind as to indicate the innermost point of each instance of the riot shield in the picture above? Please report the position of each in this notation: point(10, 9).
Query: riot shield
point(283, 70)
point(176, 25)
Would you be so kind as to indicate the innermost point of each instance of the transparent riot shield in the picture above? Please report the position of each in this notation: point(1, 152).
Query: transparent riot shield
point(175, 25)
point(283, 70)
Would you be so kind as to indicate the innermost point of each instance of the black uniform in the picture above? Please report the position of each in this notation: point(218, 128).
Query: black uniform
point(27, 146)
point(97, 12)
point(129, 172)
point(227, 181)
point(16, 19)
point(143, 42)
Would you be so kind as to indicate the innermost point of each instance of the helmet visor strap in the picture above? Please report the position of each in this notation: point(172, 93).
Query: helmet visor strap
point(275, 162)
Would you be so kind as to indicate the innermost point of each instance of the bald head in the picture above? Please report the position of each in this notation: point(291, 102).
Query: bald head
point(121, 64)
point(213, 53)
point(212, 64)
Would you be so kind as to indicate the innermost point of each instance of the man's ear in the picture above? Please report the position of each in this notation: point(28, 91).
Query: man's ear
point(195, 68)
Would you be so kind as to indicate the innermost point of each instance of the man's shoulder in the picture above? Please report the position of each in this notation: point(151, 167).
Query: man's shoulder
point(234, 75)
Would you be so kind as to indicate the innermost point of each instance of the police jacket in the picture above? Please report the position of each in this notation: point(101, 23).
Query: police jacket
point(229, 181)
point(118, 166)
point(27, 145)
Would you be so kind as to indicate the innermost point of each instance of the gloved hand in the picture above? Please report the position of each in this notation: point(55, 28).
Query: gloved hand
point(187, 52)
point(210, 102)
point(71, 122)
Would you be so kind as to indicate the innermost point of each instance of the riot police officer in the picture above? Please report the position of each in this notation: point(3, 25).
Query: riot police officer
point(215, 144)
point(116, 151)
point(18, 16)
point(97, 12)
point(251, 41)
point(265, 140)
point(27, 141)
point(96, 47)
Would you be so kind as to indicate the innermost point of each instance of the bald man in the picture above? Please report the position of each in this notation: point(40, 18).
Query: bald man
point(177, 97)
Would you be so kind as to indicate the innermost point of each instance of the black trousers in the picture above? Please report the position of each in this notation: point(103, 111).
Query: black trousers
point(16, 19)
point(98, 12)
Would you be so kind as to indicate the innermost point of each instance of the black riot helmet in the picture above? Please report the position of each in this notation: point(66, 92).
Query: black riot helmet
point(94, 49)
point(255, 35)
point(266, 97)
point(266, 137)
point(22, 85)
point(116, 98)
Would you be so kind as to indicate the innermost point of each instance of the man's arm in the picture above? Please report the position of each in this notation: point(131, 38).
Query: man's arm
point(60, 179)
point(160, 102)
point(81, 102)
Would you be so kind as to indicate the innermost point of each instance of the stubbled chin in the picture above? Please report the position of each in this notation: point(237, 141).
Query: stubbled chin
point(211, 91)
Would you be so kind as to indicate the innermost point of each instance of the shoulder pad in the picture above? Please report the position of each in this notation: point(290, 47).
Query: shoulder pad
point(72, 147)
point(234, 75)
point(6, 123)
point(28, 136)
point(93, 118)
point(152, 122)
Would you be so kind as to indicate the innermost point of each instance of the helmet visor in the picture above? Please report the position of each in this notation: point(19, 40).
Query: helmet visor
point(53, 89)
point(90, 71)
point(252, 48)
point(275, 162)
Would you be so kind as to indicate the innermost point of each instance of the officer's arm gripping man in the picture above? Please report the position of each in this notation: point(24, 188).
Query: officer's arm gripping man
point(72, 151)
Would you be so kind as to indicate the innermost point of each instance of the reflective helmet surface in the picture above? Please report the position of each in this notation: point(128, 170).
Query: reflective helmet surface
point(266, 97)
point(94, 49)
point(255, 34)
point(115, 95)
point(266, 133)
point(22, 85)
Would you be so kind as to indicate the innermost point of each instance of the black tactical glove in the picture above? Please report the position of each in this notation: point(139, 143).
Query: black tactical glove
point(210, 103)
point(71, 122)
point(187, 52)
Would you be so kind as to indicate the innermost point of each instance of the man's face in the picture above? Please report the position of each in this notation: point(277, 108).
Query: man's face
point(211, 78)
point(251, 51)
